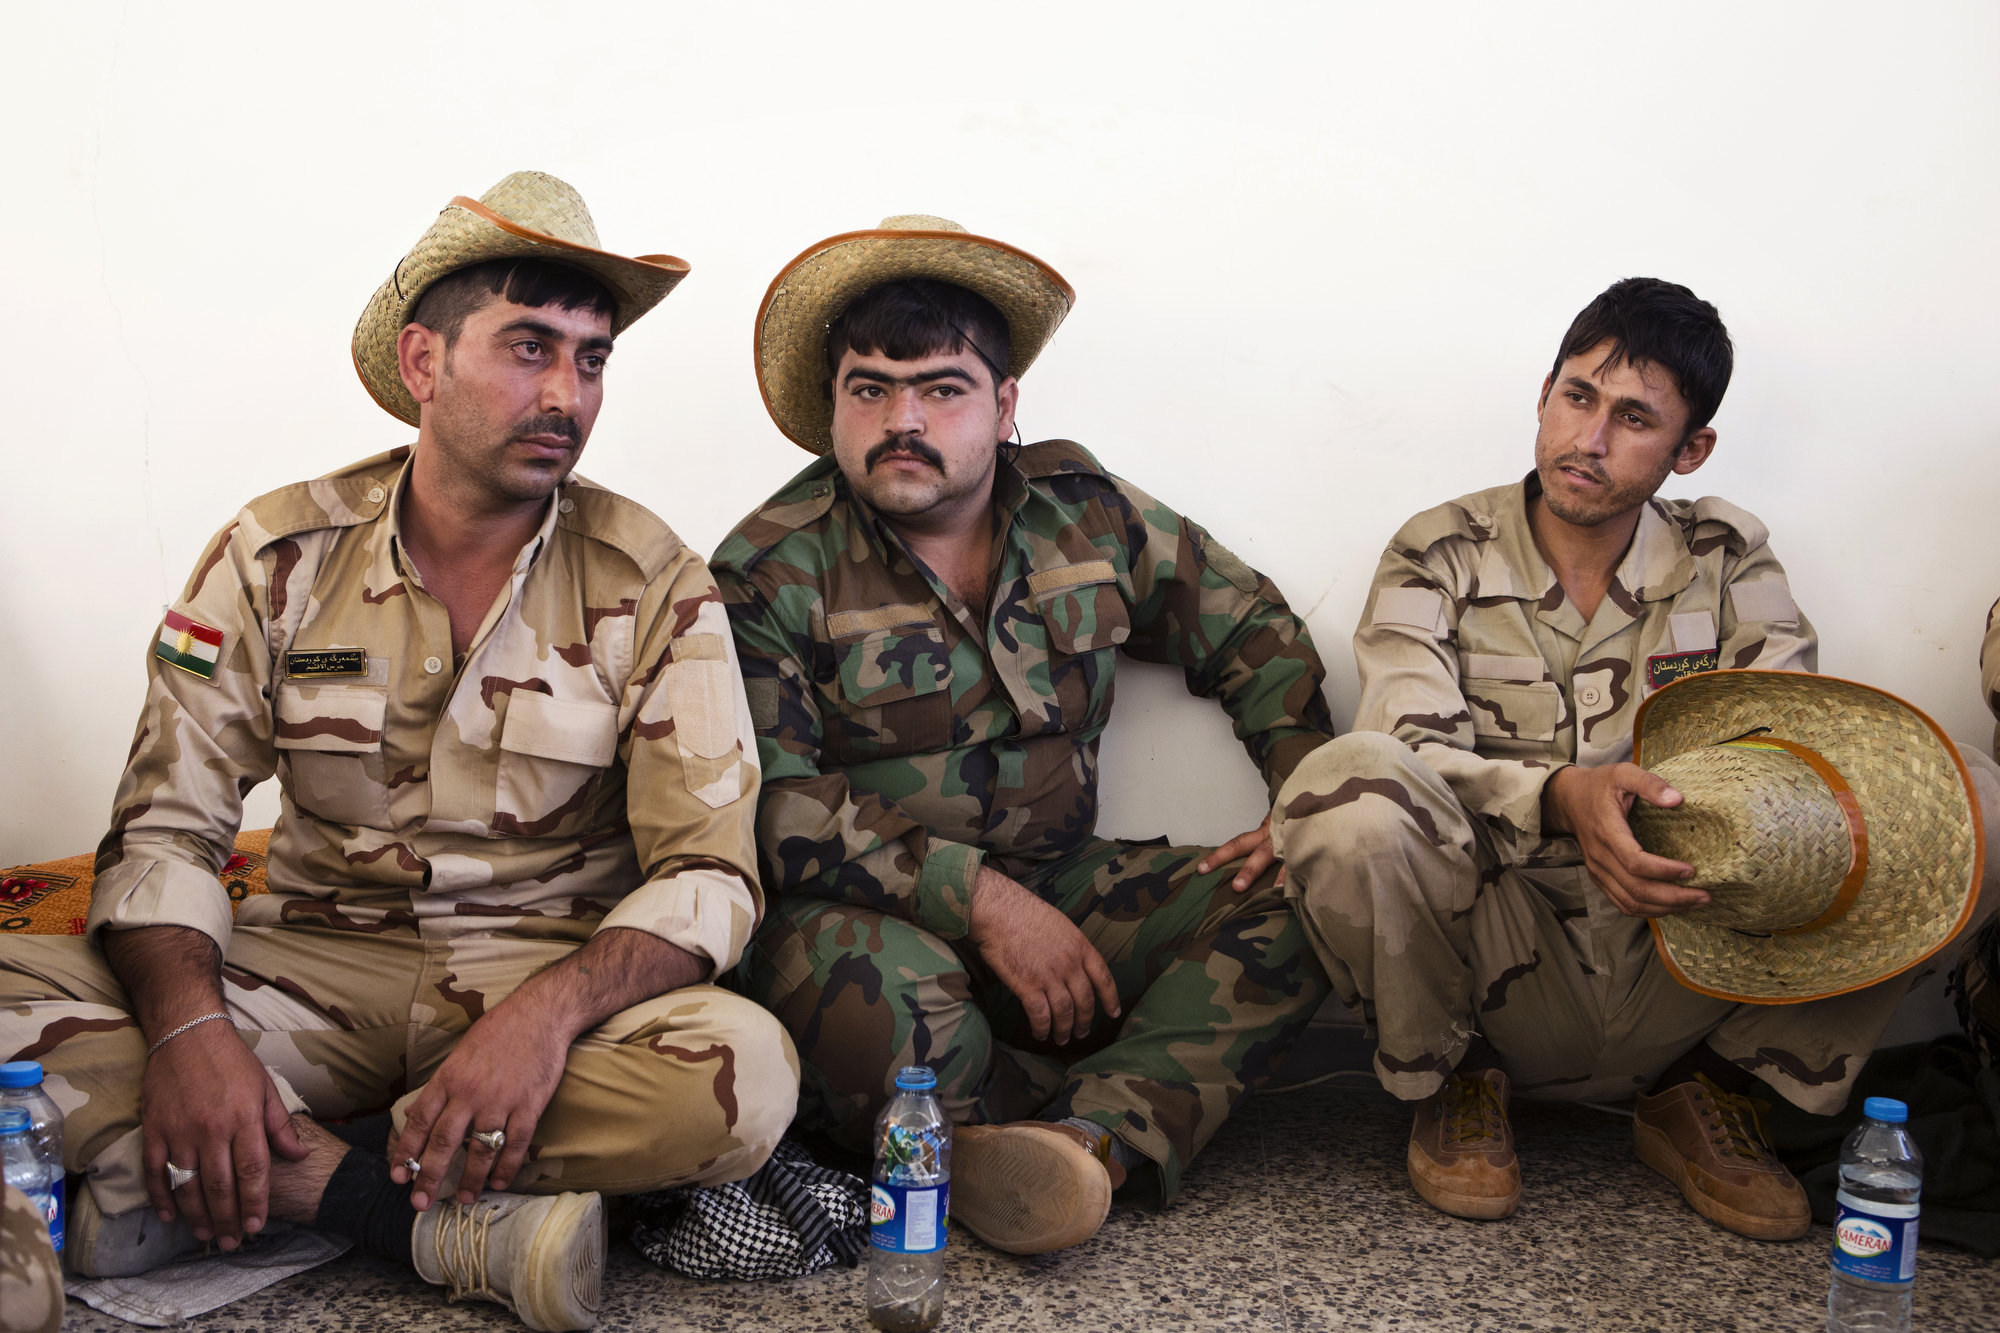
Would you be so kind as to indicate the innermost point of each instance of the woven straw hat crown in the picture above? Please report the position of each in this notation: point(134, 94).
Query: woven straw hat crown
point(528, 215)
point(811, 292)
point(1834, 826)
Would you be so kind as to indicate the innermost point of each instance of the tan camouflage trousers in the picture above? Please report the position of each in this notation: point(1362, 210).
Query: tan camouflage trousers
point(693, 1087)
point(31, 1289)
point(1215, 986)
point(1432, 939)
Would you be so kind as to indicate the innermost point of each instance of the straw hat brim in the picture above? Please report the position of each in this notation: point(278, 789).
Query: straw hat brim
point(1926, 842)
point(810, 292)
point(467, 232)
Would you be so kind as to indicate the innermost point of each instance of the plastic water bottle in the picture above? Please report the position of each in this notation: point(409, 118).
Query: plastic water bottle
point(907, 1207)
point(22, 1165)
point(1875, 1237)
point(21, 1086)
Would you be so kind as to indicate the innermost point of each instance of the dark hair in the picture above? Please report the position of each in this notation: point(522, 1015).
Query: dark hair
point(908, 319)
point(446, 303)
point(1647, 320)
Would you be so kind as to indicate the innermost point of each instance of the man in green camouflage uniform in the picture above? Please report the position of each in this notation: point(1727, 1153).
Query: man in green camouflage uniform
point(928, 713)
point(516, 844)
point(1462, 860)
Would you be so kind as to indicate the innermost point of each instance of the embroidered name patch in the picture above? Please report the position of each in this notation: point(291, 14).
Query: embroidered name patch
point(1670, 667)
point(189, 645)
point(327, 662)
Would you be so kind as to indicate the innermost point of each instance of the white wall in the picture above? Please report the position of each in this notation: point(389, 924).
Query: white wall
point(1323, 255)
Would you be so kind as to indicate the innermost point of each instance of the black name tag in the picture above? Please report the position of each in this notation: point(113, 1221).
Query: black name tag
point(327, 662)
point(1670, 667)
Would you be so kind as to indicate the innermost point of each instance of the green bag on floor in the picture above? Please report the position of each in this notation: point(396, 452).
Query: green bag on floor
point(1955, 1119)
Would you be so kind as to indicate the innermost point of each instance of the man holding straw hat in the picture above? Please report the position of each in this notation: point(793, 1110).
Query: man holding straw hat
point(515, 846)
point(1463, 861)
point(929, 620)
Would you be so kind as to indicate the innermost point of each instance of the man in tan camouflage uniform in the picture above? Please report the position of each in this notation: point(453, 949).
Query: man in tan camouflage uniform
point(516, 840)
point(929, 623)
point(1462, 861)
point(31, 1289)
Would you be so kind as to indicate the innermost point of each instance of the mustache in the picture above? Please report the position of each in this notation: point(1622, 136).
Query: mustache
point(1578, 463)
point(550, 423)
point(902, 444)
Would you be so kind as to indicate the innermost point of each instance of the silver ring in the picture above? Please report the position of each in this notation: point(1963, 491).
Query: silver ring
point(496, 1139)
point(178, 1176)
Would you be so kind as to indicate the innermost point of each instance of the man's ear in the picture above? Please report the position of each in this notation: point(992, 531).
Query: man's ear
point(1008, 395)
point(420, 360)
point(1694, 451)
point(1548, 381)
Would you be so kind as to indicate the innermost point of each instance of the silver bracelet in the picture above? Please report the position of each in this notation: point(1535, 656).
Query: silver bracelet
point(191, 1023)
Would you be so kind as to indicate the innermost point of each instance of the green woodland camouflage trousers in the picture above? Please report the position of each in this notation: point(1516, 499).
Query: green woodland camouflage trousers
point(692, 1087)
point(31, 1289)
point(1214, 985)
point(1425, 931)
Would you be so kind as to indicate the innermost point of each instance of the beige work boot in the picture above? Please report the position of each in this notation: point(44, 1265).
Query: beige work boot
point(1712, 1144)
point(1462, 1148)
point(95, 1245)
point(541, 1256)
point(1027, 1187)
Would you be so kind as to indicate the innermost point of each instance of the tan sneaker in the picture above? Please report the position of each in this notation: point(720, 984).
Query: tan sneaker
point(1027, 1187)
point(541, 1256)
point(1462, 1148)
point(1712, 1144)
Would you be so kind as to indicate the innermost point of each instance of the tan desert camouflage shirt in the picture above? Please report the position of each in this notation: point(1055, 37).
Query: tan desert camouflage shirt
point(590, 763)
point(1469, 651)
point(1989, 669)
point(906, 736)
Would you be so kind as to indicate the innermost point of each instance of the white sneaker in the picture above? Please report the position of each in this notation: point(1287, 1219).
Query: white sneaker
point(132, 1242)
point(541, 1256)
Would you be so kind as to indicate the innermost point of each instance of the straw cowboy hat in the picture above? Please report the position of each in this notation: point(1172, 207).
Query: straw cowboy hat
point(812, 290)
point(528, 215)
point(1834, 826)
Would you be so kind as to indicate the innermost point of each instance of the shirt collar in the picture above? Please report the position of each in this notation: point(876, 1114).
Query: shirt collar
point(1655, 566)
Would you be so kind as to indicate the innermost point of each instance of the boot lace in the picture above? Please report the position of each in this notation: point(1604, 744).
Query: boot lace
point(461, 1236)
point(1472, 1112)
point(1736, 1127)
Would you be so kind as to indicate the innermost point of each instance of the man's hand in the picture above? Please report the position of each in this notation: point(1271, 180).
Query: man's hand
point(505, 1069)
point(1255, 845)
point(205, 1102)
point(501, 1076)
point(1592, 804)
point(208, 1104)
point(1040, 956)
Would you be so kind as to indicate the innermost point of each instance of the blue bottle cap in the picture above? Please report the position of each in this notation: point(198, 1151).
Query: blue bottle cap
point(20, 1074)
point(14, 1120)
point(1886, 1109)
point(915, 1078)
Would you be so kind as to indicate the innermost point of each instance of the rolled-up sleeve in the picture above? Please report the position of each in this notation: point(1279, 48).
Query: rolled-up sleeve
point(690, 755)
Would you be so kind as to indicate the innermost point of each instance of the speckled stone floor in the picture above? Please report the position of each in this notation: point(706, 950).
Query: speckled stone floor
point(1298, 1217)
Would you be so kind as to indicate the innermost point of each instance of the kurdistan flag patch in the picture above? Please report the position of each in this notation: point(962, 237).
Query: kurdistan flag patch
point(189, 645)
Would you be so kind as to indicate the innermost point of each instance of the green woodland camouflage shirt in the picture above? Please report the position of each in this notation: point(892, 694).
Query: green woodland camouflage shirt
point(589, 764)
point(904, 735)
point(1469, 650)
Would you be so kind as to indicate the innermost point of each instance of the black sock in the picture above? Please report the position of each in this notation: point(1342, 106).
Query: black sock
point(1701, 1058)
point(369, 1134)
point(363, 1204)
point(1479, 1056)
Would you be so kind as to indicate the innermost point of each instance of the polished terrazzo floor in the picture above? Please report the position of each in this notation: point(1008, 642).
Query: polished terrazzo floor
point(1298, 1217)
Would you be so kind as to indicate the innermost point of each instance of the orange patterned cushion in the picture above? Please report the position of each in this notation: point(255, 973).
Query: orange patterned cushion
point(53, 897)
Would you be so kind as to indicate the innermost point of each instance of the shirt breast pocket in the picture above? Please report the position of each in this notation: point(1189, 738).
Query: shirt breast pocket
point(330, 738)
point(1513, 717)
point(895, 693)
point(1085, 616)
point(553, 752)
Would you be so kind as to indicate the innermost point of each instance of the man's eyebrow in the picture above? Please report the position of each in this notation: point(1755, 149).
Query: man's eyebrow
point(927, 377)
point(549, 333)
point(1639, 405)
